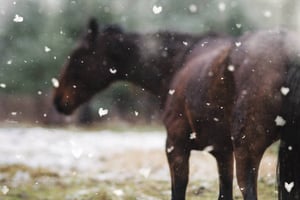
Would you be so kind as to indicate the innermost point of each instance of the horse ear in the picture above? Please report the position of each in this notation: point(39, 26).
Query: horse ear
point(93, 28)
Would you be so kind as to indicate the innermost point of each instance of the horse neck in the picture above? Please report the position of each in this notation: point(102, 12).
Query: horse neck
point(154, 59)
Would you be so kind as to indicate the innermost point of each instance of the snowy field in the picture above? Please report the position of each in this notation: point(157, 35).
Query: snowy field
point(99, 153)
point(102, 157)
point(104, 154)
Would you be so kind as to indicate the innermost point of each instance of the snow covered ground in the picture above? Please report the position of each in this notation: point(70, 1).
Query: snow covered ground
point(104, 155)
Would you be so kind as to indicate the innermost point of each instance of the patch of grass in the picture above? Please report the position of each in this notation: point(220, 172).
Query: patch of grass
point(33, 172)
point(45, 185)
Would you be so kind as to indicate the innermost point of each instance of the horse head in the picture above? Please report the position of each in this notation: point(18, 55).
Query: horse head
point(90, 67)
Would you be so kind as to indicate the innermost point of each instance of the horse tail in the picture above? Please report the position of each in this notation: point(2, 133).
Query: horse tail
point(288, 169)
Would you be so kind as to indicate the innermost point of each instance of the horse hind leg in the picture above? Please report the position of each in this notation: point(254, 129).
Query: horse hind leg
point(225, 168)
point(178, 159)
point(248, 157)
point(178, 154)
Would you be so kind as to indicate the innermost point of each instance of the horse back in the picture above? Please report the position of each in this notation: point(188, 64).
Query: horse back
point(204, 93)
point(261, 63)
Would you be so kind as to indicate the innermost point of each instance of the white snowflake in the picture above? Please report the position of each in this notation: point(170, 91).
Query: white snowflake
point(18, 18)
point(284, 90)
point(222, 6)
point(267, 13)
point(102, 112)
point(290, 148)
point(238, 25)
point(118, 192)
point(289, 186)
point(39, 92)
point(2, 85)
point(193, 8)
point(193, 136)
point(157, 9)
point(113, 70)
point(4, 189)
point(136, 113)
point(216, 119)
point(279, 121)
point(13, 113)
point(238, 44)
point(170, 149)
point(47, 49)
point(184, 43)
point(171, 91)
point(9, 62)
point(55, 82)
point(231, 68)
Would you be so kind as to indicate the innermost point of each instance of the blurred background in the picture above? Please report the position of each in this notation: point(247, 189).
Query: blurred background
point(36, 37)
point(71, 162)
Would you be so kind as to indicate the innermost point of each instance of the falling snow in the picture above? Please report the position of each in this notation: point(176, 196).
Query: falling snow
point(170, 149)
point(113, 70)
point(289, 186)
point(157, 9)
point(9, 62)
point(222, 6)
point(238, 25)
point(118, 192)
point(184, 43)
point(193, 136)
point(18, 18)
point(2, 85)
point(267, 13)
point(279, 121)
point(231, 68)
point(47, 49)
point(4, 189)
point(55, 82)
point(171, 91)
point(216, 119)
point(284, 90)
point(102, 112)
point(136, 113)
point(237, 44)
point(193, 8)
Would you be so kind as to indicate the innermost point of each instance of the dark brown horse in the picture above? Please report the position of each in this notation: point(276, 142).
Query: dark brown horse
point(187, 73)
point(267, 106)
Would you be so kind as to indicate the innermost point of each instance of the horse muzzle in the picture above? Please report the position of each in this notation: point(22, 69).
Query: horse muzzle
point(63, 106)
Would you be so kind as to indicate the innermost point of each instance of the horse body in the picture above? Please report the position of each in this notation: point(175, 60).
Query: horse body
point(197, 114)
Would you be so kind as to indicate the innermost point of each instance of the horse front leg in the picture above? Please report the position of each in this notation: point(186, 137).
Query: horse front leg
point(225, 168)
point(178, 159)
